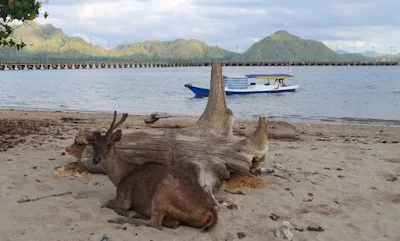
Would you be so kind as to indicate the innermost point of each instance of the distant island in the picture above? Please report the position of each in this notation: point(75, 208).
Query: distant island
point(51, 43)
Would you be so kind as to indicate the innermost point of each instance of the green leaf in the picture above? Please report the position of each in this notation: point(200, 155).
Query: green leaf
point(11, 10)
point(46, 14)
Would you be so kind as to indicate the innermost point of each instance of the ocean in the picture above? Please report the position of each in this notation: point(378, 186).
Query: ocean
point(326, 93)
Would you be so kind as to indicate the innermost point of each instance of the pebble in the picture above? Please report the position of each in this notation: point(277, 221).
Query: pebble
point(284, 231)
point(262, 171)
point(241, 235)
point(274, 217)
point(317, 229)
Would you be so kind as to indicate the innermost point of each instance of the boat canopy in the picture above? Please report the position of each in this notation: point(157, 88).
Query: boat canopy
point(236, 82)
point(269, 76)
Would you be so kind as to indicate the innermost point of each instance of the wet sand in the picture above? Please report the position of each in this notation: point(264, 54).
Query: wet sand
point(342, 178)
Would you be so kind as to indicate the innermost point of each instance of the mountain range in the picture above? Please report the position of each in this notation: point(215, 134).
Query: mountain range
point(51, 43)
point(368, 53)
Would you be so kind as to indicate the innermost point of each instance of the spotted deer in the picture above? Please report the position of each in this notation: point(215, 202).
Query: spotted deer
point(165, 194)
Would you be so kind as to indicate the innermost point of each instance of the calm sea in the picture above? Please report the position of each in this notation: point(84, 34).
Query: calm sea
point(326, 93)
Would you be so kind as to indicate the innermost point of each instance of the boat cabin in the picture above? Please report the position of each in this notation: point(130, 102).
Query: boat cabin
point(244, 82)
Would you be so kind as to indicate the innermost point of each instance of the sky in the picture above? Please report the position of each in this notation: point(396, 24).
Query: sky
point(351, 25)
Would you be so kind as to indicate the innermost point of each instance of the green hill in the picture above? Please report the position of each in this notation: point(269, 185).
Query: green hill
point(355, 57)
point(179, 49)
point(282, 46)
point(48, 42)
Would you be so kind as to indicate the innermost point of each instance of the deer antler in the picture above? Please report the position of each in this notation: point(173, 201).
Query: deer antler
point(111, 129)
point(115, 126)
point(124, 116)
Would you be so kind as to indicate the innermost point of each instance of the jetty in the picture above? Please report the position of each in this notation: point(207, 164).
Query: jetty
point(40, 65)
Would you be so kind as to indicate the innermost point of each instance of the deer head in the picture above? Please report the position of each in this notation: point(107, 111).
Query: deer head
point(103, 144)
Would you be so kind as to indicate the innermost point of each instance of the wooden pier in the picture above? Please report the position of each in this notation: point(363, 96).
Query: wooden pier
point(32, 65)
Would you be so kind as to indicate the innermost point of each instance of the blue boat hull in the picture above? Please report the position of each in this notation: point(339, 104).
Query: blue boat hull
point(203, 92)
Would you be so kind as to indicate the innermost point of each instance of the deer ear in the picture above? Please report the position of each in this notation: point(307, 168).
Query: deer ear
point(89, 137)
point(116, 136)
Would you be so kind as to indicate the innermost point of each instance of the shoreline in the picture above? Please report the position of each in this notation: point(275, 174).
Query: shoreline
point(317, 120)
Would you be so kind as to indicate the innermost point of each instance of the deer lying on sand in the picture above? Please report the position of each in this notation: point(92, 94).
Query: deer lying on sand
point(167, 195)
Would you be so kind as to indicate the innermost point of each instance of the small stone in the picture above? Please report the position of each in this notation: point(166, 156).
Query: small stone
point(392, 178)
point(40, 180)
point(230, 205)
point(310, 194)
point(274, 217)
point(316, 229)
point(9, 160)
point(262, 171)
point(340, 176)
point(284, 231)
point(339, 169)
point(308, 199)
point(63, 154)
point(238, 192)
point(241, 235)
point(299, 229)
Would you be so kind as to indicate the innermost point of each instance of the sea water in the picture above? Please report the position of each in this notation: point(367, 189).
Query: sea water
point(325, 93)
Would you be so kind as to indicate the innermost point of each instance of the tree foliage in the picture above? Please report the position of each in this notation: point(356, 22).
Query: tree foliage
point(16, 10)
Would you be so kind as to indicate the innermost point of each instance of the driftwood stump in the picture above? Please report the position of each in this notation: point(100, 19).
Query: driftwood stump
point(277, 130)
point(206, 149)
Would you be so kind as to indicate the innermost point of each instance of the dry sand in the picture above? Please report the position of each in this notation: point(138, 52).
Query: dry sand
point(342, 178)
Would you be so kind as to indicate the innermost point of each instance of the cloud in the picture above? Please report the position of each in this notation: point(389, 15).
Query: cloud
point(229, 23)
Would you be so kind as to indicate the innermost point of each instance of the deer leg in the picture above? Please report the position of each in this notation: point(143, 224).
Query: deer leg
point(113, 205)
point(158, 211)
point(129, 215)
point(76, 166)
point(123, 220)
point(156, 221)
point(134, 214)
point(121, 208)
point(171, 222)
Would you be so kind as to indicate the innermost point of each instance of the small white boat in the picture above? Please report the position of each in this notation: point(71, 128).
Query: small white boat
point(250, 84)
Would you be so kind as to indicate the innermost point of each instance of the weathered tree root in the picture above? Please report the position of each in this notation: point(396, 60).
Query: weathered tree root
point(207, 149)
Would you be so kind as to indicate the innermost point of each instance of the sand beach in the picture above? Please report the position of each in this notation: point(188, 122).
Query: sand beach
point(335, 182)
